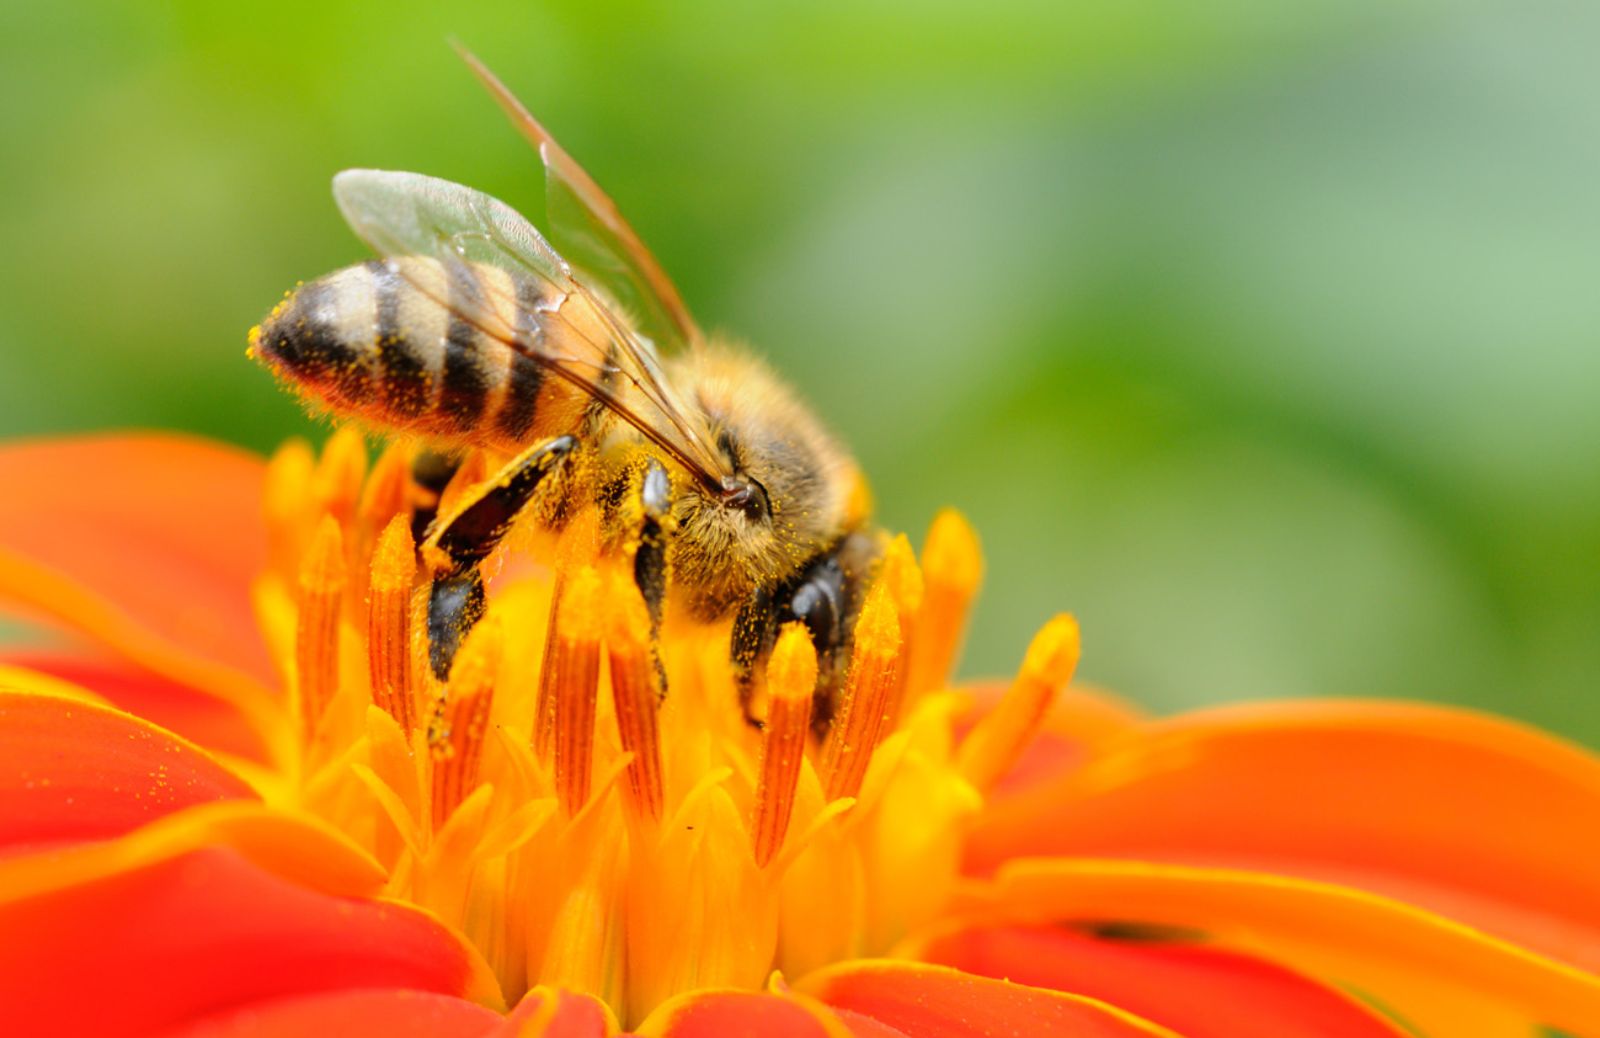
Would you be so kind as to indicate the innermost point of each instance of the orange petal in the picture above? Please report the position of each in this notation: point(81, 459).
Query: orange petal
point(147, 543)
point(1198, 991)
point(939, 1002)
point(197, 716)
point(74, 771)
point(1438, 976)
point(548, 1013)
point(153, 948)
point(390, 1013)
point(735, 1014)
point(1483, 820)
point(1081, 723)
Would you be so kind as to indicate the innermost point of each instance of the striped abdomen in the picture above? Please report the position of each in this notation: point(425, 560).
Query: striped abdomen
point(367, 341)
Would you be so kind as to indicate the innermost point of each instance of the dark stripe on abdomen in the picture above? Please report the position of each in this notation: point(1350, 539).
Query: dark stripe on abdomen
point(310, 348)
point(520, 404)
point(405, 377)
point(464, 388)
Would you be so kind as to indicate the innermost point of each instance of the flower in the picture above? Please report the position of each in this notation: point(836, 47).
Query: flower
point(233, 801)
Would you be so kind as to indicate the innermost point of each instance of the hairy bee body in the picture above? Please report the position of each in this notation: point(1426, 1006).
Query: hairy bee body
point(473, 332)
point(370, 341)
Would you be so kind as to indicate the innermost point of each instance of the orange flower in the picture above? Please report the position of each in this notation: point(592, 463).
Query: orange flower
point(233, 802)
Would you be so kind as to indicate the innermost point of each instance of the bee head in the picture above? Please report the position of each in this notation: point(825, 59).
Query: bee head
point(784, 500)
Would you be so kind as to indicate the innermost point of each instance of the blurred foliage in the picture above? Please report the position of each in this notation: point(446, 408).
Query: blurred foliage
point(1261, 335)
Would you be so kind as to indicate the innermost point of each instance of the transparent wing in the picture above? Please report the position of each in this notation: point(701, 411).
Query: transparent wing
point(567, 329)
point(592, 233)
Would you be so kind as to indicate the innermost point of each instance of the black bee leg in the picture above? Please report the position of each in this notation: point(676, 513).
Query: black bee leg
point(650, 561)
point(825, 596)
point(431, 470)
point(459, 541)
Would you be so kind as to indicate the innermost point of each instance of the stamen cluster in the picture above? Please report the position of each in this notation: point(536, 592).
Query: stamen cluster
point(579, 821)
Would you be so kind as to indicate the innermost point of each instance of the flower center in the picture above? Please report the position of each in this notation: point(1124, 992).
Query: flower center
point(583, 797)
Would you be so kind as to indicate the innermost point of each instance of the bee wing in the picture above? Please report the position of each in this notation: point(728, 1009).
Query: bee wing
point(568, 330)
point(592, 232)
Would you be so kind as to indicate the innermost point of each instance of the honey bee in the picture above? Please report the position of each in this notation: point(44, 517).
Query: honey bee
point(473, 332)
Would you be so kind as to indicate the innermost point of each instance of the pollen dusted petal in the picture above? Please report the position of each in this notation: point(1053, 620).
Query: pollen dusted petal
point(903, 578)
point(1000, 737)
point(322, 580)
point(389, 642)
point(938, 1002)
point(1438, 976)
point(79, 772)
point(1196, 990)
point(385, 1013)
point(791, 683)
point(868, 696)
point(1482, 820)
point(339, 474)
point(148, 544)
point(203, 719)
point(156, 947)
point(952, 569)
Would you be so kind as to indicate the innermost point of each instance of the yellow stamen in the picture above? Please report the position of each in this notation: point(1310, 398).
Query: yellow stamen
point(388, 491)
point(572, 673)
point(999, 739)
point(791, 683)
point(862, 717)
point(288, 476)
point(578, 544)
point(952, 568)
point(340, 472)
point(903, 578)
point(635, 691)
point(322, 580)
point(389, 650)
point(456, 745)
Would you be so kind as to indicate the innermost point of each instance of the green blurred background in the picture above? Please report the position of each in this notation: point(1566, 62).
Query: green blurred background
point(1265, 336)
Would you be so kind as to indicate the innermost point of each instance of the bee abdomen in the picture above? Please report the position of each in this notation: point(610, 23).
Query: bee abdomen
point(373, 340)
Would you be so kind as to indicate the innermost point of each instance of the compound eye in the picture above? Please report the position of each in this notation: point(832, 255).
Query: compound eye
point(748, 496)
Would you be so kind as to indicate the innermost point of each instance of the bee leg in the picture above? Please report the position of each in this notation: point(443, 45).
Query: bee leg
point(650, 560)
point(431, 470)
point(825, 596)
point(459, 541)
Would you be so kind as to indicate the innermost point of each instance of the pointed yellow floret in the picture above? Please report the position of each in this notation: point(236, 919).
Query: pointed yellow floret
point(791, 682)
point(389, 650)
point(322, 580)
point(340, 472)
point(635, 693)
point(999, 739)
point(572, 662)
point(457, 744)
point(952, 569)
point(862, 717)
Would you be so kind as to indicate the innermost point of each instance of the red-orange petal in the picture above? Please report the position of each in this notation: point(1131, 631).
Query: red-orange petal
point(201, 718)
point(938, 1002)
point(148, 543)
point(150, 949)
point(550, 1013)
point(1482, 820)
point(381, 1013)
point(733, 1014)
point(1198, 991)
point(74, 771)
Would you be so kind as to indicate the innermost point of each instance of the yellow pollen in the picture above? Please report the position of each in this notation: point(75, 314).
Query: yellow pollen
point(322, 580)
point(863, 713)
point(952, 569)
point(340, 472)
point(999, 739)
point(572, 673)
point(791, 683)
point(635, 693)
point(389, 650)
point(577, 545)
point(456, 746)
